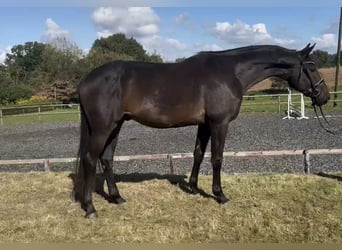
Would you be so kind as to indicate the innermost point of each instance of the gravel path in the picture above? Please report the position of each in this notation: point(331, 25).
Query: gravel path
point(247, 132)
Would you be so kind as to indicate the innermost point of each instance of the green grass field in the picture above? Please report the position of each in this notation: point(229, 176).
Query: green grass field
point(57, 115)
point(36, 207)
point(53, 117)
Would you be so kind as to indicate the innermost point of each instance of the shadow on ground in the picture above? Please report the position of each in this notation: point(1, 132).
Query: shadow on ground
point(330, 176)
point(176, 180)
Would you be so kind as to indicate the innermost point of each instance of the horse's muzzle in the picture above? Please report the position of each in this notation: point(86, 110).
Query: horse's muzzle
point(320, 100)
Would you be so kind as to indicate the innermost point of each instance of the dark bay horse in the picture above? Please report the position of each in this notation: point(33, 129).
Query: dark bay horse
point(204, 90)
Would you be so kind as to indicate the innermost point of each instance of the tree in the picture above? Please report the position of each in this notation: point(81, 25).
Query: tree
point(120, 45)
point(62, 68)
point(321, 58)
point(117, 47)
point(97, 57)
point(154, 57)
point(60, 62)
point(10, 92)
point(60, 65)
point(56, 64)
point(181, 59)
point(333, 60)
point(23, 60)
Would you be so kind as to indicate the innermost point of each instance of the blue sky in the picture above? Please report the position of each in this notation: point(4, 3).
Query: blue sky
point(173, 31)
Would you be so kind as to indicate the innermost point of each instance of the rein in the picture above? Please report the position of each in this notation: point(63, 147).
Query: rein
point(319, 120)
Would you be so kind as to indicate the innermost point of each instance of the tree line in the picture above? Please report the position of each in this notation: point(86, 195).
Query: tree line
point(323, 59)
point(55, 69)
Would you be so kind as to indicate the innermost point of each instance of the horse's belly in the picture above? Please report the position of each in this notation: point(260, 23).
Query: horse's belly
point(170, 119)
point(164, 111)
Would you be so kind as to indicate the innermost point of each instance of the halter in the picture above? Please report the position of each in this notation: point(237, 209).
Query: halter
point(314, 87)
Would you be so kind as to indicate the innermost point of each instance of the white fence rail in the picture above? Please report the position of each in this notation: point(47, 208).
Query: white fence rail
point(38, 111)
point(170, 157)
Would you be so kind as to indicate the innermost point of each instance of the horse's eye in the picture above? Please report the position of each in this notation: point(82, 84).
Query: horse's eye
point(312, 67)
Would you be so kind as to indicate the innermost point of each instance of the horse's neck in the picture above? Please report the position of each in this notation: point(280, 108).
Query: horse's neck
point(250, 73)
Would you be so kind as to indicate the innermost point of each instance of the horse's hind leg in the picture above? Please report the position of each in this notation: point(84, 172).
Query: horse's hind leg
point(95, 148)
point(202, 139)
point(107, 164)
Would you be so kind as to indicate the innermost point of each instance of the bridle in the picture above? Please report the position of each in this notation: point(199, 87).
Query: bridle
point(315, 92)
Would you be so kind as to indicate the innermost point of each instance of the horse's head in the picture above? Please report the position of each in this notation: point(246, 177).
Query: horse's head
point(306, 79)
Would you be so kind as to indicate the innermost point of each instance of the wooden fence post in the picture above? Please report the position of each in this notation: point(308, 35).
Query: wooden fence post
point(79, 111)
point(306, 161)
point(39, 118)
point(1, 119)
point(170, 158)
point(47, 165)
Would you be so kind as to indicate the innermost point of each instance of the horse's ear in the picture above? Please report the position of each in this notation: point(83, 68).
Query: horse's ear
point(307, 50)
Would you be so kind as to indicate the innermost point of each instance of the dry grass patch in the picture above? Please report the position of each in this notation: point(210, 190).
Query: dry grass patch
point(36, 207)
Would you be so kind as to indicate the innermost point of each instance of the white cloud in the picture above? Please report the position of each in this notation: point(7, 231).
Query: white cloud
point(142, 23)
point(240, 33)
point(326, 41)
point(3, 53)
point(168, 48)
point(174, 43)
point(133, 21)
point(104, 33)
point(209, 47)
point(181, 18)
point(332, 27)
point(54, 31)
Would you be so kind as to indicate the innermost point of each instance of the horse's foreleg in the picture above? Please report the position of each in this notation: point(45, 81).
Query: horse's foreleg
point(218, 135)
point(202, 139)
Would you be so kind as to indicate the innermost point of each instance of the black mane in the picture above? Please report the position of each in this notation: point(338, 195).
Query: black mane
point(243, 50)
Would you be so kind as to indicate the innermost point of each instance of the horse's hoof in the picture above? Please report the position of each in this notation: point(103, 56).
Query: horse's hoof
point(117, 200)
point(92, 215)
point(221, 200)
point(120, 200)
point(194, 190)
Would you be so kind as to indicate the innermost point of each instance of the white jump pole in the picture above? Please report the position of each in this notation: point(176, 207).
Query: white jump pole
point(289, 103)
point(291, 108)
point(302, 108)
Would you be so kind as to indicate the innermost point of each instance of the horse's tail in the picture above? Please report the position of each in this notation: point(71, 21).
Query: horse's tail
point(79, 168)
